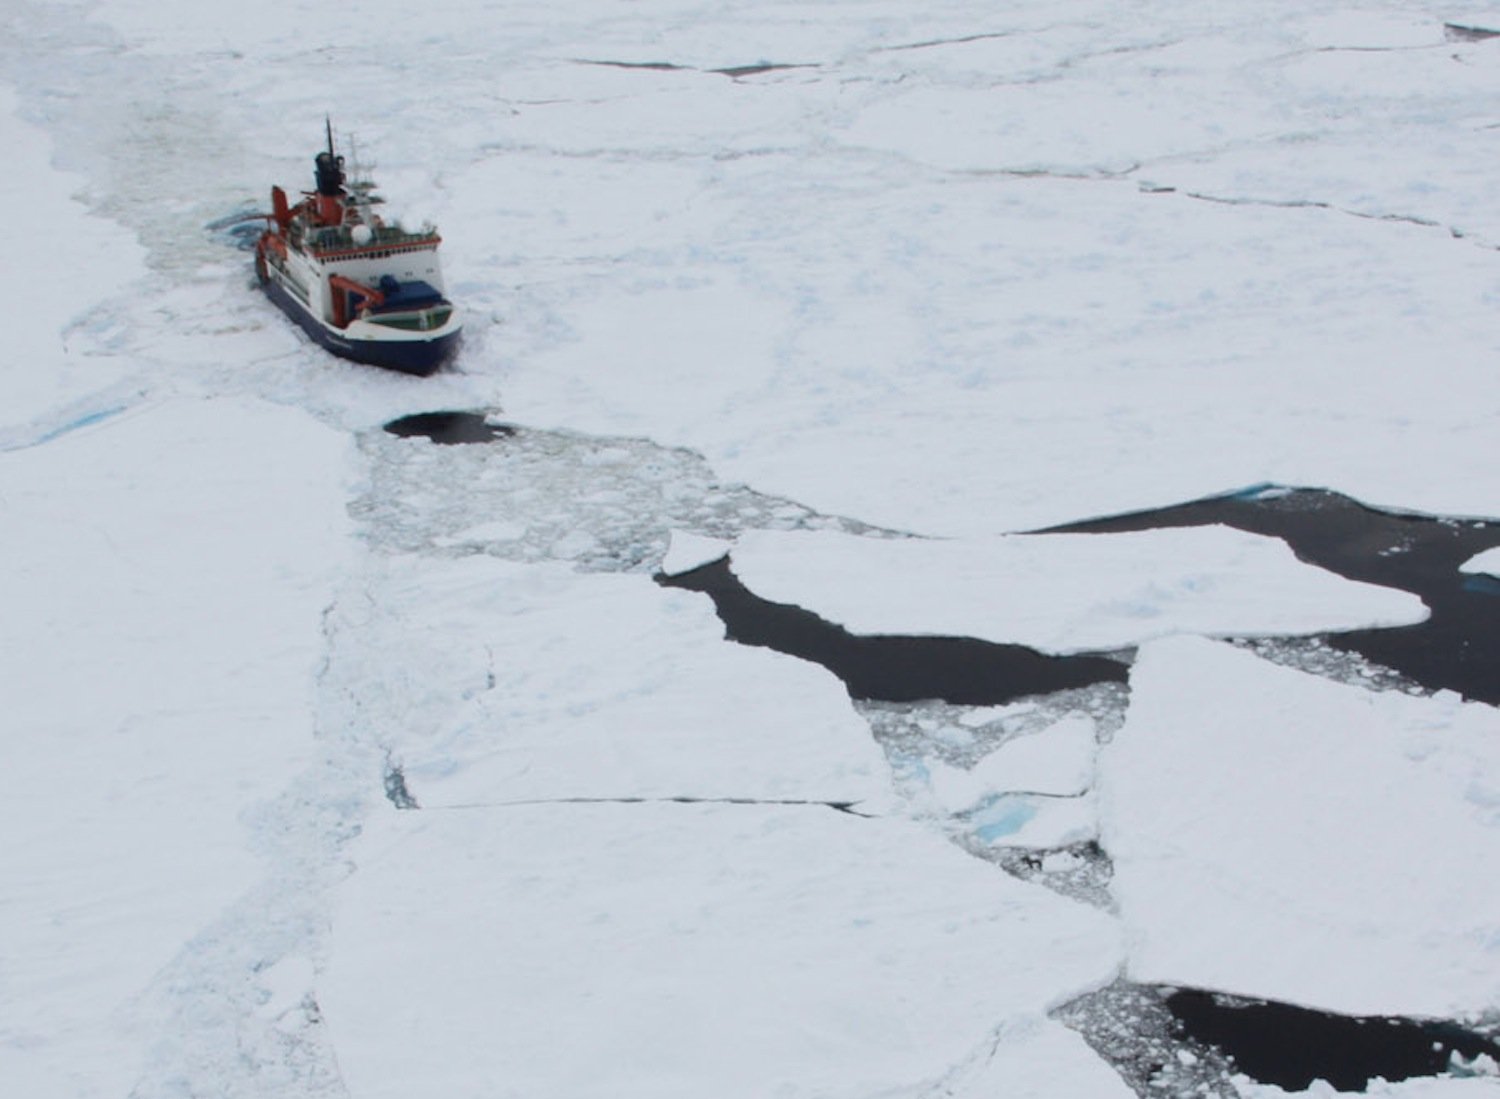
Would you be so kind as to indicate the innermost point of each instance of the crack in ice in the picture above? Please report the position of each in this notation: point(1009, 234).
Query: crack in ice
point(847, 807)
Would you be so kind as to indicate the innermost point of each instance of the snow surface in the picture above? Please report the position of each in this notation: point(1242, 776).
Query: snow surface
point(1063, 592)
point(774, 952)
point(88, 258)
point(1022, 1067)
point(506, 682)
point(152, 709)
point(955, 272)
point(1279, 835)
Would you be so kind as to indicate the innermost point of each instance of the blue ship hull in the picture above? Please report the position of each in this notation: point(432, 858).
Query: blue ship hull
point(419, 357)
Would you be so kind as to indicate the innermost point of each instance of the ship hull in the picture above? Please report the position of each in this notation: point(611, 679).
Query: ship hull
point(422, 357)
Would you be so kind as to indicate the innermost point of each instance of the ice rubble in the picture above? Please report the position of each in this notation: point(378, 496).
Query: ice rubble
point(1477, 1087)
point(1063, 592)
point(1034, 791)
point(1058, 761)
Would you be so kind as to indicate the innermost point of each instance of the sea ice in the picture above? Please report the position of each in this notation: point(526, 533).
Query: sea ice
point(1488, 562)
point(1482, 19)
point(1058, 761)
point(488, 681)
point(1026, 820)
point(1037, 1059)
point(1276, 834)
point(163, 583)
point(688, 551)
point(970, 270)
point(499, 530)
point(87, 259)
point(679, 951)
point(1363, 29)
point(1063, 592)
point(1442, 1087)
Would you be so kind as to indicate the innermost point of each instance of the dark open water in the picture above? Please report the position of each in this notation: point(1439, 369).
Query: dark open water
point(894, 669)
point(1458, 648)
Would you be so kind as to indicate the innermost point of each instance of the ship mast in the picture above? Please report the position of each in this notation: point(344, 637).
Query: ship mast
point(329, 169)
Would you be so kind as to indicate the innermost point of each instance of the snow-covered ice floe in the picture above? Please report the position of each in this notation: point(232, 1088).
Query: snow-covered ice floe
point(151, 706)
point(1058, 761)
point(489, 681)
point(1276, 834)
point(1447, 1087)
point(1486, 562)
point(563, 912)
point(1064, 593)
point(680, 951)
point(1033, 791)
point(87, 259)
point(689, 551)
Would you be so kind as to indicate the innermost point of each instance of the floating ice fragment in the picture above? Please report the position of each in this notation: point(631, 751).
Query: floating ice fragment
point(1064, 593)
point(1481, 1065)
point(984, 715)
point(956, 735)
point(1061, 862)
point(690, 551)
point(1003, 817)
point(1486, 562)
point(1058, 761)
point(500, 530)
point(1041, 823)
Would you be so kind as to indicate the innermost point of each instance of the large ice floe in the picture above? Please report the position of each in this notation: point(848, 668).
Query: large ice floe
point(1279, 835)
point(507, 682)
point(154, 712)
point(636, 860)
point(45, 372)
point(1063, 592)
point(664, 949)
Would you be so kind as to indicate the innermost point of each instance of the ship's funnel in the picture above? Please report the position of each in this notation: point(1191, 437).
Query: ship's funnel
point(330, 173)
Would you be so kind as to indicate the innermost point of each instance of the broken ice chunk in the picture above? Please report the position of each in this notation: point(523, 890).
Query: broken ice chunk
point(690, 551)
